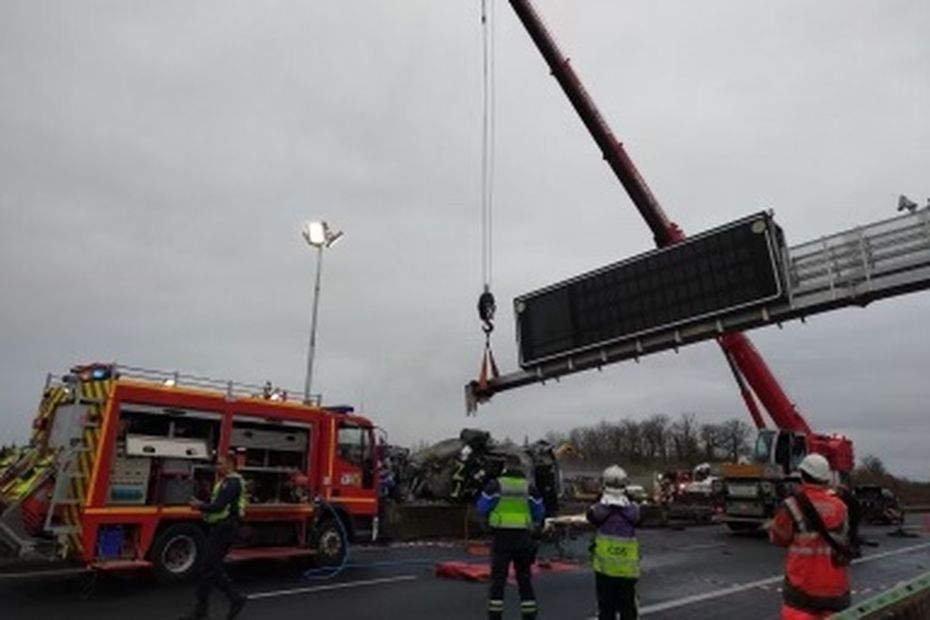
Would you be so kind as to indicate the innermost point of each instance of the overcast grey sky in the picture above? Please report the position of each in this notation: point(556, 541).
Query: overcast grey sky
point(157, 159)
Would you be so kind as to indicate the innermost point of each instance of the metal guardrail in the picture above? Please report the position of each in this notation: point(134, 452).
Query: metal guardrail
point(858, 265)
point(907, 601)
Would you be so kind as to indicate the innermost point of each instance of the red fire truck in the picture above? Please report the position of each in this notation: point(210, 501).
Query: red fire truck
point(117, 453)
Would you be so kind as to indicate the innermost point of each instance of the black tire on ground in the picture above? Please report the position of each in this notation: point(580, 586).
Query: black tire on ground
point(176, 552)
point(742, 526)
point(328, 539)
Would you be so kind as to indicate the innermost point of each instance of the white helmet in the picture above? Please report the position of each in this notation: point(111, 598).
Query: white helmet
point(614, 477)
point(817, 467)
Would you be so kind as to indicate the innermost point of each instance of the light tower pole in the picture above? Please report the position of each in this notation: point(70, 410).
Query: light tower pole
point(318, 236)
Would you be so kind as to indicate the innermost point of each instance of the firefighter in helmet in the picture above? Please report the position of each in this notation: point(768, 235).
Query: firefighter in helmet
point(615, 550)
point(222, 514)
point(512, 506)
point(813, 525)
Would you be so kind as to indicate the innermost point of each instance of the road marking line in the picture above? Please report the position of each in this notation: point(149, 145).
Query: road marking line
point(43, 573)
point(698, 598)
point(696, 547)
point(332, 586)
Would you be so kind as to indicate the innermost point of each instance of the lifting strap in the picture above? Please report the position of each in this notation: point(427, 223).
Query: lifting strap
point(486, 309)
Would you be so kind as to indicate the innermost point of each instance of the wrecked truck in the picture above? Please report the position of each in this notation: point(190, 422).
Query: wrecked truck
point(433, 490)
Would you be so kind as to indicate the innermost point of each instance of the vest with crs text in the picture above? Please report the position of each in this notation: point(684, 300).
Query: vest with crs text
point(615, 556)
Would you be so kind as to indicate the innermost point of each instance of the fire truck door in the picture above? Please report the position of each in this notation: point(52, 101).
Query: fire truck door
point(354, 469)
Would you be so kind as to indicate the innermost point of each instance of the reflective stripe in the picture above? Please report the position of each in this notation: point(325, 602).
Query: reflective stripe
point(809, 537)
point(799, 521)
point(527, 605)
point(495, 605)
point(797, 550)
point(615, 556)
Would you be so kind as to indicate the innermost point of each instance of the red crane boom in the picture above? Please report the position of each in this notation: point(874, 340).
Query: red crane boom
point(757, 382)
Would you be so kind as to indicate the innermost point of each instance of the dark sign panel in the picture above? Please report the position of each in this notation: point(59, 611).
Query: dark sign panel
point(734, 266)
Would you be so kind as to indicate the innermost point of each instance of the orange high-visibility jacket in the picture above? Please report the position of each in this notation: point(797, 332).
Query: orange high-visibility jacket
point(812, 580)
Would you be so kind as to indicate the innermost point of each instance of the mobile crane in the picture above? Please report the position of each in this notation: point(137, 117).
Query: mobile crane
point(752, 490)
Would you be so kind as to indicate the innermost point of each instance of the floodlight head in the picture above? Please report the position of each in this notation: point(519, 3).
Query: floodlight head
point(315, 233)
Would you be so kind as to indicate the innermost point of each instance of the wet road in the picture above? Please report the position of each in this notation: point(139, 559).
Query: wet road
point(696, 573)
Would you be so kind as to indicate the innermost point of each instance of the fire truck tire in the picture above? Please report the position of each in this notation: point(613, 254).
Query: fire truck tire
point(175, 553)
point(329, 542)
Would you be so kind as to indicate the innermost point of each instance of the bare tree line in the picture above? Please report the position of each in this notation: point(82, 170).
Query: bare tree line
point(657, 441)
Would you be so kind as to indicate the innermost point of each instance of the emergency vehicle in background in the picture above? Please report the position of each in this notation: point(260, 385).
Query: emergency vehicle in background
point(117, 453)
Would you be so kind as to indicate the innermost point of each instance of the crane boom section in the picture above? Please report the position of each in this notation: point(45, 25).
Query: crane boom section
point(747, 360)
point(663, 229)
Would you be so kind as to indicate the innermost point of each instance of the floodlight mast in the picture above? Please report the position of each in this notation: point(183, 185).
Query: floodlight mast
point(756, 381)
point(318, 236)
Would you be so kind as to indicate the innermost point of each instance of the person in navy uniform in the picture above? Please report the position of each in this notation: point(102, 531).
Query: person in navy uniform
point(513, 508)
point(223, 514)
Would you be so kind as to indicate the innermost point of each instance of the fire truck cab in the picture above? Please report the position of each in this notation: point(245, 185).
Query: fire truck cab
point(117, 453)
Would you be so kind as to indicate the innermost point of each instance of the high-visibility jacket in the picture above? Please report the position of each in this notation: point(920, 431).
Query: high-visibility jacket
point(512, 511)
point(813, 581)
point(615, 556)
point(223, 514)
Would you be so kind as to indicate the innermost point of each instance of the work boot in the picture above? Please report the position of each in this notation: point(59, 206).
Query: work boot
point(235, 606)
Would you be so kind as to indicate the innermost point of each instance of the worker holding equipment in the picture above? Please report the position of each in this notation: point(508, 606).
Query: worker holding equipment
point(615, 551)
point(512, 506)
point(223, 515)
point(813, 525)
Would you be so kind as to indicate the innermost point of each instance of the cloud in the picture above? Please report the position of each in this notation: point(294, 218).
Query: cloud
point(158, 159)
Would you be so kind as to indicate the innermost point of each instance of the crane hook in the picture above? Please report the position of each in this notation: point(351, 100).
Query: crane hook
point(488, 370)
point(486, 309)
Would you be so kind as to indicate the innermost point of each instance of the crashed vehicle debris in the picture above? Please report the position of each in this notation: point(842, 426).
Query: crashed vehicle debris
point(457, 469)
point(430, 493)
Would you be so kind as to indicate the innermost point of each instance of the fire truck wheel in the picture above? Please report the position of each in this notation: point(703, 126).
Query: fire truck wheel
point(176, 551)
point(329, 542)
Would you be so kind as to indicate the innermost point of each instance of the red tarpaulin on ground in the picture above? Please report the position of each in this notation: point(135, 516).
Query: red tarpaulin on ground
point(481, 571)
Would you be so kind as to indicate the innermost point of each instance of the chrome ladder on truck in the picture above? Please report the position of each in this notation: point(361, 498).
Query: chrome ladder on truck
point(78, 435)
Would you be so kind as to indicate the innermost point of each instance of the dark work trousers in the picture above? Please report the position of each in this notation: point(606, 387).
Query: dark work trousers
point(213, 572)
point(516, 547)
point(615, 595)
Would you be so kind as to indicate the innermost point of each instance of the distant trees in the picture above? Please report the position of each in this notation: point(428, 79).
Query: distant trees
point(735, 436)
point(657, 441)
point(872, 470)
point(873, 467)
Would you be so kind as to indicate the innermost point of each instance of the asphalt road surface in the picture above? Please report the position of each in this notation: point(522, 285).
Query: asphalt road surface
point(691, 574)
